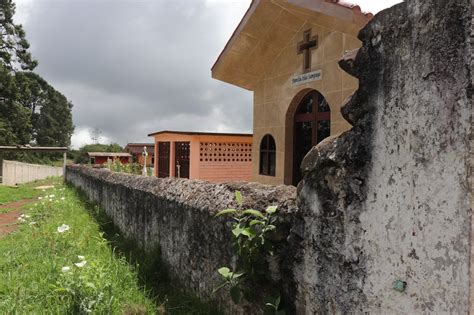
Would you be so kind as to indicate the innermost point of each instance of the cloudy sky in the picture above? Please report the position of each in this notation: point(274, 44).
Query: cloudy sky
point(132, 67)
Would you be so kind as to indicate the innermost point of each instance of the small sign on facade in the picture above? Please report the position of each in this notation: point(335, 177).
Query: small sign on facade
point(307, 77)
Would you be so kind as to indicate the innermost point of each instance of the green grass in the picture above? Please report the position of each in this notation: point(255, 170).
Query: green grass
point(10, 194)
point(117, 278)
point(32, 258)
point(15, 193)
point(170, 298)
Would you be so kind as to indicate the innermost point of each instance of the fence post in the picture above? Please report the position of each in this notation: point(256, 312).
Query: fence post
point(64, 165)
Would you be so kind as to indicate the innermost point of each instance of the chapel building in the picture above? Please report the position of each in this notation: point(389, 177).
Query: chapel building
point(287, 53)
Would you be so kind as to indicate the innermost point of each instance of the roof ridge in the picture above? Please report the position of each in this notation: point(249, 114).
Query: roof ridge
point(350, 5)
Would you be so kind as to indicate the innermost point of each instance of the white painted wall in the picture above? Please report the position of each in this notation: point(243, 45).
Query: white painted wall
point(18, 173)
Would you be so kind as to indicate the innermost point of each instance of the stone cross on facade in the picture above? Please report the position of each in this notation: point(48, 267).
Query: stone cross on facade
point(305, 46)
point(144, 154)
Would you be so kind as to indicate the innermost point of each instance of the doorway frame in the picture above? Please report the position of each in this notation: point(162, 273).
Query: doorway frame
point(290, 132)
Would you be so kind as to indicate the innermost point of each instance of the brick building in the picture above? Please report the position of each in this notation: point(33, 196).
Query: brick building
point(99, 158)
point(136, 150)
point(215, 157)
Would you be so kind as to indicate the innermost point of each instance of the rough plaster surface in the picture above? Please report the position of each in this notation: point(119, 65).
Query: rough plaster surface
point(387, 201)
point(176, 216)
point(390, 199)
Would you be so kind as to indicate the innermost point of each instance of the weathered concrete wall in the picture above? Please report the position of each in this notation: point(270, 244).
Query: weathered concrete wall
point(18, 173)
point(472, 160)
point(388, 203)
point(384, 219)
point(177, 216)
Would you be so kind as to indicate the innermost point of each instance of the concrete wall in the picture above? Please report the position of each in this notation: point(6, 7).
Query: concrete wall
point(19, 173)
point(177, 216)
point(387, 204)
point(472, 161)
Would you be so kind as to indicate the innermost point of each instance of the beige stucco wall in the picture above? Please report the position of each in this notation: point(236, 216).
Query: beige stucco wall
point(19, 173)
point(275, 92)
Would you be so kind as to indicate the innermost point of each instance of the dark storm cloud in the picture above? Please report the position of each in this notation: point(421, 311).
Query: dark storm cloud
point(134, 67)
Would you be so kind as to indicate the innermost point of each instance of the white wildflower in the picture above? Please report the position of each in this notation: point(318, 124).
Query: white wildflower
point(39, 198)
point(32, 223)
point(81, 258)
point(63, 228)
point(21, 219)
point(81, 264)
point(51, 196)
point(26, 216)
point(66, 269)
point(62, 198)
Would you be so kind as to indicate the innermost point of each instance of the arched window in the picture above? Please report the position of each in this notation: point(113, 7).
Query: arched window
point(312, 124)
point(267, 156)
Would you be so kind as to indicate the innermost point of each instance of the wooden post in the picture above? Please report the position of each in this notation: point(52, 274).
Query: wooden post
point(64, 165)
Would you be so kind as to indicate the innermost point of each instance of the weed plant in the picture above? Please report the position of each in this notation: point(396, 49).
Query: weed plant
point(59, 262)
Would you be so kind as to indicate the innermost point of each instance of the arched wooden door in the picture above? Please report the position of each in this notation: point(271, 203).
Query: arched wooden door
point(312, 124)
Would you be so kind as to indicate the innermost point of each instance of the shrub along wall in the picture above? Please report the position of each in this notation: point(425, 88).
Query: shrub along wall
point(176, 216)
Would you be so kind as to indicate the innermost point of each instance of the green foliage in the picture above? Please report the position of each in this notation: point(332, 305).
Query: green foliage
point(31, 111)
point(129, 168)
point(153, 274)
point(273, 307)
point(250, 232)
point(34, 278)
point(50, 110)
point(27, 191)
point(13, 44)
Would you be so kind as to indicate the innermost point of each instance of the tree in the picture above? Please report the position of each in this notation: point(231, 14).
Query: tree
point(31, 110)
point(13, 44)
point(14, 118)
point(51, 118)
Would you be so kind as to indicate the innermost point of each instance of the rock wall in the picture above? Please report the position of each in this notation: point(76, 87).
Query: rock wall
point(384, 219)
point(176, 216)
point(387, 204)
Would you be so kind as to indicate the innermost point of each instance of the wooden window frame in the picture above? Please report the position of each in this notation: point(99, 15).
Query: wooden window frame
point(267, 153)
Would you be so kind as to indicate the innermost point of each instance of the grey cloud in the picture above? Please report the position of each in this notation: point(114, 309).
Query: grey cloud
point(130, 64)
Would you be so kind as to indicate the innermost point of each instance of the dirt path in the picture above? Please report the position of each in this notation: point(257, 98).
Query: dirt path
point(9, 220)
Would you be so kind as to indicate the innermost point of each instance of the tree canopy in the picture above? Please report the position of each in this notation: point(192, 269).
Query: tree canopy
point(14, 52)
point(31, 110)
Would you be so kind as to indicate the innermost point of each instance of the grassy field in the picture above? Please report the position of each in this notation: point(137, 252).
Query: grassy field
point(27, 191)
point(68, 270)
point(66, 258)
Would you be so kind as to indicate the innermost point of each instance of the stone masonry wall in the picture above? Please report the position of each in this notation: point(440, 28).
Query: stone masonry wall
point(387, 204)
point(176, 216)
point(383, 223)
